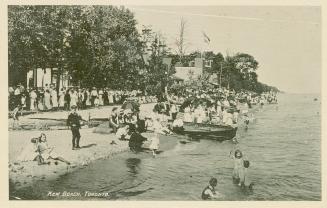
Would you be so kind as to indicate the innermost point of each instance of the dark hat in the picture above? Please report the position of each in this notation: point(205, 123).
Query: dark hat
point(73, 107)
point(34, 140)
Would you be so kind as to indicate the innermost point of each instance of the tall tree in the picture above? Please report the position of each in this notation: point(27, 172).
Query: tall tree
point(181, 42)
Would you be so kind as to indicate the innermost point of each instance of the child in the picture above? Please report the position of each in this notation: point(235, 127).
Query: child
point(209, 192)
point(245, 181)
point(238, 166)
point(15, 115)
point(45, 152)
point(154, 146)
point(246, 120)
point(23, 102)
point(97, 102)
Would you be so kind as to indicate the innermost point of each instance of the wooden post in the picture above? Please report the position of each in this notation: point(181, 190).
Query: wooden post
point(221, 67)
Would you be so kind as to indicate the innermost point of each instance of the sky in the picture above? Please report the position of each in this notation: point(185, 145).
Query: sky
point(285, 40)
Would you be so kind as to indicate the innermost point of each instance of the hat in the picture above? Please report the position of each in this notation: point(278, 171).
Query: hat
point(127, 111)
point(147, 116)
point(34, 140)
point(73, 107)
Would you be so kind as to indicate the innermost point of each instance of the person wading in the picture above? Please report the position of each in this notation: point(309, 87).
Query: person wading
point(74, 122)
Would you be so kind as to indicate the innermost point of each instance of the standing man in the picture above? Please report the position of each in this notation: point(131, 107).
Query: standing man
point(74, 121)
point(114, 120)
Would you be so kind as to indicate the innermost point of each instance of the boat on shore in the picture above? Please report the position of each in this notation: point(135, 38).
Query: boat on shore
point(208, 131)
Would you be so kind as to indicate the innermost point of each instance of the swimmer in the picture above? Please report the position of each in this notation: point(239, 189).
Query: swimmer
point(209, 192)
point(238, 166)
point(245, 180)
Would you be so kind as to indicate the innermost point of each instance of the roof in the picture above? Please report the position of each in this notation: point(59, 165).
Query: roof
point(176, 78)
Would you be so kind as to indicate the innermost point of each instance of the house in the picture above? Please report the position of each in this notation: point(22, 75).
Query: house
point(195, 69)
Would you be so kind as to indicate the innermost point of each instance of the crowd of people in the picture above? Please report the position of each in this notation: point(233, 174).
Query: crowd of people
point(49, 99)
point(215, 106)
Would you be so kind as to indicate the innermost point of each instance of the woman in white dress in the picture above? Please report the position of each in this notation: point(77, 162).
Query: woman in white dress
point(73, 98)
point(111, 98)
point(47, 98)
point(188, 115)
point(100, 97)
point(88, 98)
point(61, 98)
point(33, 97)
point(54, 98)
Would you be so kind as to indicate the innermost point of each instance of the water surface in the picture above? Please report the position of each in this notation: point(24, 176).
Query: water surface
point(282, 144)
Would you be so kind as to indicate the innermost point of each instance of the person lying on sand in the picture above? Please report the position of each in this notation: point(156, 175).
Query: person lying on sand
point(45, 153)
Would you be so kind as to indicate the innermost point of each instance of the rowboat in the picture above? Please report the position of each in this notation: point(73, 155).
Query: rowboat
point(209, 131)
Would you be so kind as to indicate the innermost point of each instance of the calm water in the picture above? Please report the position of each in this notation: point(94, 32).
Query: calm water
point(282, 144)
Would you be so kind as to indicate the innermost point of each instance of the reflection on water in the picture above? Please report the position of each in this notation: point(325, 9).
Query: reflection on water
point(133, 165)
point(282, 144)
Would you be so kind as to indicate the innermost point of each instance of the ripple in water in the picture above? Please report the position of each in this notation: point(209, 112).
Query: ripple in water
point(282, 144)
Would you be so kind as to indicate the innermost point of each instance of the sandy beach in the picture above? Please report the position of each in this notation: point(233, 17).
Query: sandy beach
point(23, 171)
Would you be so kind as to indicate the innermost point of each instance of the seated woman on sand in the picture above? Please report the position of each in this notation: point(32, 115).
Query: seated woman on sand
point(45, 153)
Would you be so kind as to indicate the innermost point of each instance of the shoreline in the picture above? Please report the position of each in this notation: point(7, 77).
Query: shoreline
point(32, 173)
point(95, 146)
point(24, 172)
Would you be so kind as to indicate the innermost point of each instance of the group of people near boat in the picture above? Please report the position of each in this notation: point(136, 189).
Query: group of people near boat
point(128, 124)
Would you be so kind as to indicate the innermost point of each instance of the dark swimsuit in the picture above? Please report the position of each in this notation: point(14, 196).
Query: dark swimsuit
point(205, 196)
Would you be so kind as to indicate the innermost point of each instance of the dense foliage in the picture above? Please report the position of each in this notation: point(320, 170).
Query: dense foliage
point(100, 46)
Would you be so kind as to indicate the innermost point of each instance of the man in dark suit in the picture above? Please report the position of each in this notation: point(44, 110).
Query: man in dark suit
point(74, 122)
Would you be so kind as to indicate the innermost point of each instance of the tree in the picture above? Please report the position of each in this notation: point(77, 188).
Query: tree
point(97, 45)
point(181, 42)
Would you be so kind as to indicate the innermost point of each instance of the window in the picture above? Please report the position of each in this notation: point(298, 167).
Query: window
point(207, 63)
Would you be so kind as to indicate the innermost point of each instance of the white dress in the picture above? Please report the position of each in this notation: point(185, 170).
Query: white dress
point(154, 142)
point(33, 97)
point(61, 99)
point(88, 100)
point(100, 97)
point(73, 99)
point(54, 98)
point(47, 101)
point(188, 115)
